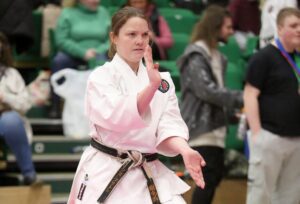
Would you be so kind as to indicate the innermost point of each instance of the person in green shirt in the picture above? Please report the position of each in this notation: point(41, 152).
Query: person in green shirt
point(81, 35)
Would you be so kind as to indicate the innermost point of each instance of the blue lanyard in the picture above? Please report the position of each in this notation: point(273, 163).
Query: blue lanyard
point(289, 59)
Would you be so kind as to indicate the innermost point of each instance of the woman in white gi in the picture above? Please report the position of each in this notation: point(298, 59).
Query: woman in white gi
point(132, 109)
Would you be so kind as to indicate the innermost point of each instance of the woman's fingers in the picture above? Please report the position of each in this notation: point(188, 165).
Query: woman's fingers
point(156, 65)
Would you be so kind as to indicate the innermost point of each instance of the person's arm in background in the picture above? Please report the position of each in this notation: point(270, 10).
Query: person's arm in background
point(252, 108)
point(16, 96)
point(165, 39)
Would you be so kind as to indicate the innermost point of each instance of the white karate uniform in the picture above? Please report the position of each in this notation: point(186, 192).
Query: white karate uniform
point(111, 106)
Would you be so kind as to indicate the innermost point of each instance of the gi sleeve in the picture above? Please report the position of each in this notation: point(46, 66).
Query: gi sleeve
point(108, 107)
point(171, 123)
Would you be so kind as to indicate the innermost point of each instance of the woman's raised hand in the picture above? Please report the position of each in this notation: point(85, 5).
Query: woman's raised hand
point(152, 69)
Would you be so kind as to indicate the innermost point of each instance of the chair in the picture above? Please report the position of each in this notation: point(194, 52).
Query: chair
point(162, 3)
point(106, 3)
point(180, 20)
point(231, 50)
point(251, 47)
point(171, 67)
point(118, 3)
point(235, 75)
point(113, 9)
point(181, 40)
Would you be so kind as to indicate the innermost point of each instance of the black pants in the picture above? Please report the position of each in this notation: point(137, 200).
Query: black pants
point(212, 172)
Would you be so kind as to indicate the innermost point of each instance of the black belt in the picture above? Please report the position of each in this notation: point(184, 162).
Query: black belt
point(128, 161)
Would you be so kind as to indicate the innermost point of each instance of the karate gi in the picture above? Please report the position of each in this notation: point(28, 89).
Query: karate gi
point(111, 106)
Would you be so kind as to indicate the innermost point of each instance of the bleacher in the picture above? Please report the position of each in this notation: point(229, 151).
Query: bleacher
point(55, 156)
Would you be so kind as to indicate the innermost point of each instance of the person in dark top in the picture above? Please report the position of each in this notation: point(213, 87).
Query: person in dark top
point(272, 106)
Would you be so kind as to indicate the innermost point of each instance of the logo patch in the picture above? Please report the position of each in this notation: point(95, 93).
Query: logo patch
point(164, 86)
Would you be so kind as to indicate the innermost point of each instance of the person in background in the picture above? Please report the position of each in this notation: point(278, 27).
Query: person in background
point(272, 106)
point(161, 36)
point(134, 114)
point(14, 102)
point(81, 35)
point(270, 9)
point(205, 101)
point(246, 19)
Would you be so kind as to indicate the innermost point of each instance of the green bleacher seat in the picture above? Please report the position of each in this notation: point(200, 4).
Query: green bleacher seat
point(171, 67)
point(118, 3)
point(106, 3)
point(181, 40)
point(234, 76)
point(113, 9)
point(180, 20)
point(231, 50)
point(234, 79)
point(162, 3)
point(251, 47)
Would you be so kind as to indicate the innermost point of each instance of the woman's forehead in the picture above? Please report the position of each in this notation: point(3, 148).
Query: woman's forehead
point(136, 23)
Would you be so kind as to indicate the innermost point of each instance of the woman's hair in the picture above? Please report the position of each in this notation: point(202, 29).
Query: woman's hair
point(286, 12)
point(208, 28)
point(5, 52)
point(118, 20)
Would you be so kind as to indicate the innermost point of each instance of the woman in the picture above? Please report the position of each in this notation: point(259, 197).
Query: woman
point(205, 101)
point(14, 100)
point(81, 35)
point(161, 35)
point(132, 110)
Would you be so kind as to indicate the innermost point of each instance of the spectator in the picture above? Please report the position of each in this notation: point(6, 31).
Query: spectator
point(133, 114)
point(14, 102)
point(270, 9)
point(161, 35)
point(272, 106)
point(81, 35)
point(246, 19)
point(205, 100)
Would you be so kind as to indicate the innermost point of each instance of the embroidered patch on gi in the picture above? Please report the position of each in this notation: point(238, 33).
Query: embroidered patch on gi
point(164, 86)
point(82, 187)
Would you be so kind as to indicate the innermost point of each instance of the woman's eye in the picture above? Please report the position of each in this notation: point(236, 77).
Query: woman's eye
point(131, 34)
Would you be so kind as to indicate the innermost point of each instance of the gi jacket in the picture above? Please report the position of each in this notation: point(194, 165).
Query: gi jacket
point(111, 107)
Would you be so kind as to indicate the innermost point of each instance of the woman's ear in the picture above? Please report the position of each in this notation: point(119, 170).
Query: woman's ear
point(112, 38)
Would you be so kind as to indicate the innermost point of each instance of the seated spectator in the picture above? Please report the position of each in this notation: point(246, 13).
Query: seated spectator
point(161, 35)
point(82, 34)
point(14, 102)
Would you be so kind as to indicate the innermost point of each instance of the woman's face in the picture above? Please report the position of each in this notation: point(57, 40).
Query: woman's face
point(139, 4)
point(132, 40)
point(90, 4)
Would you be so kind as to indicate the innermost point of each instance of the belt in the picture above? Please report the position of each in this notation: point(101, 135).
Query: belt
point(129, 159)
